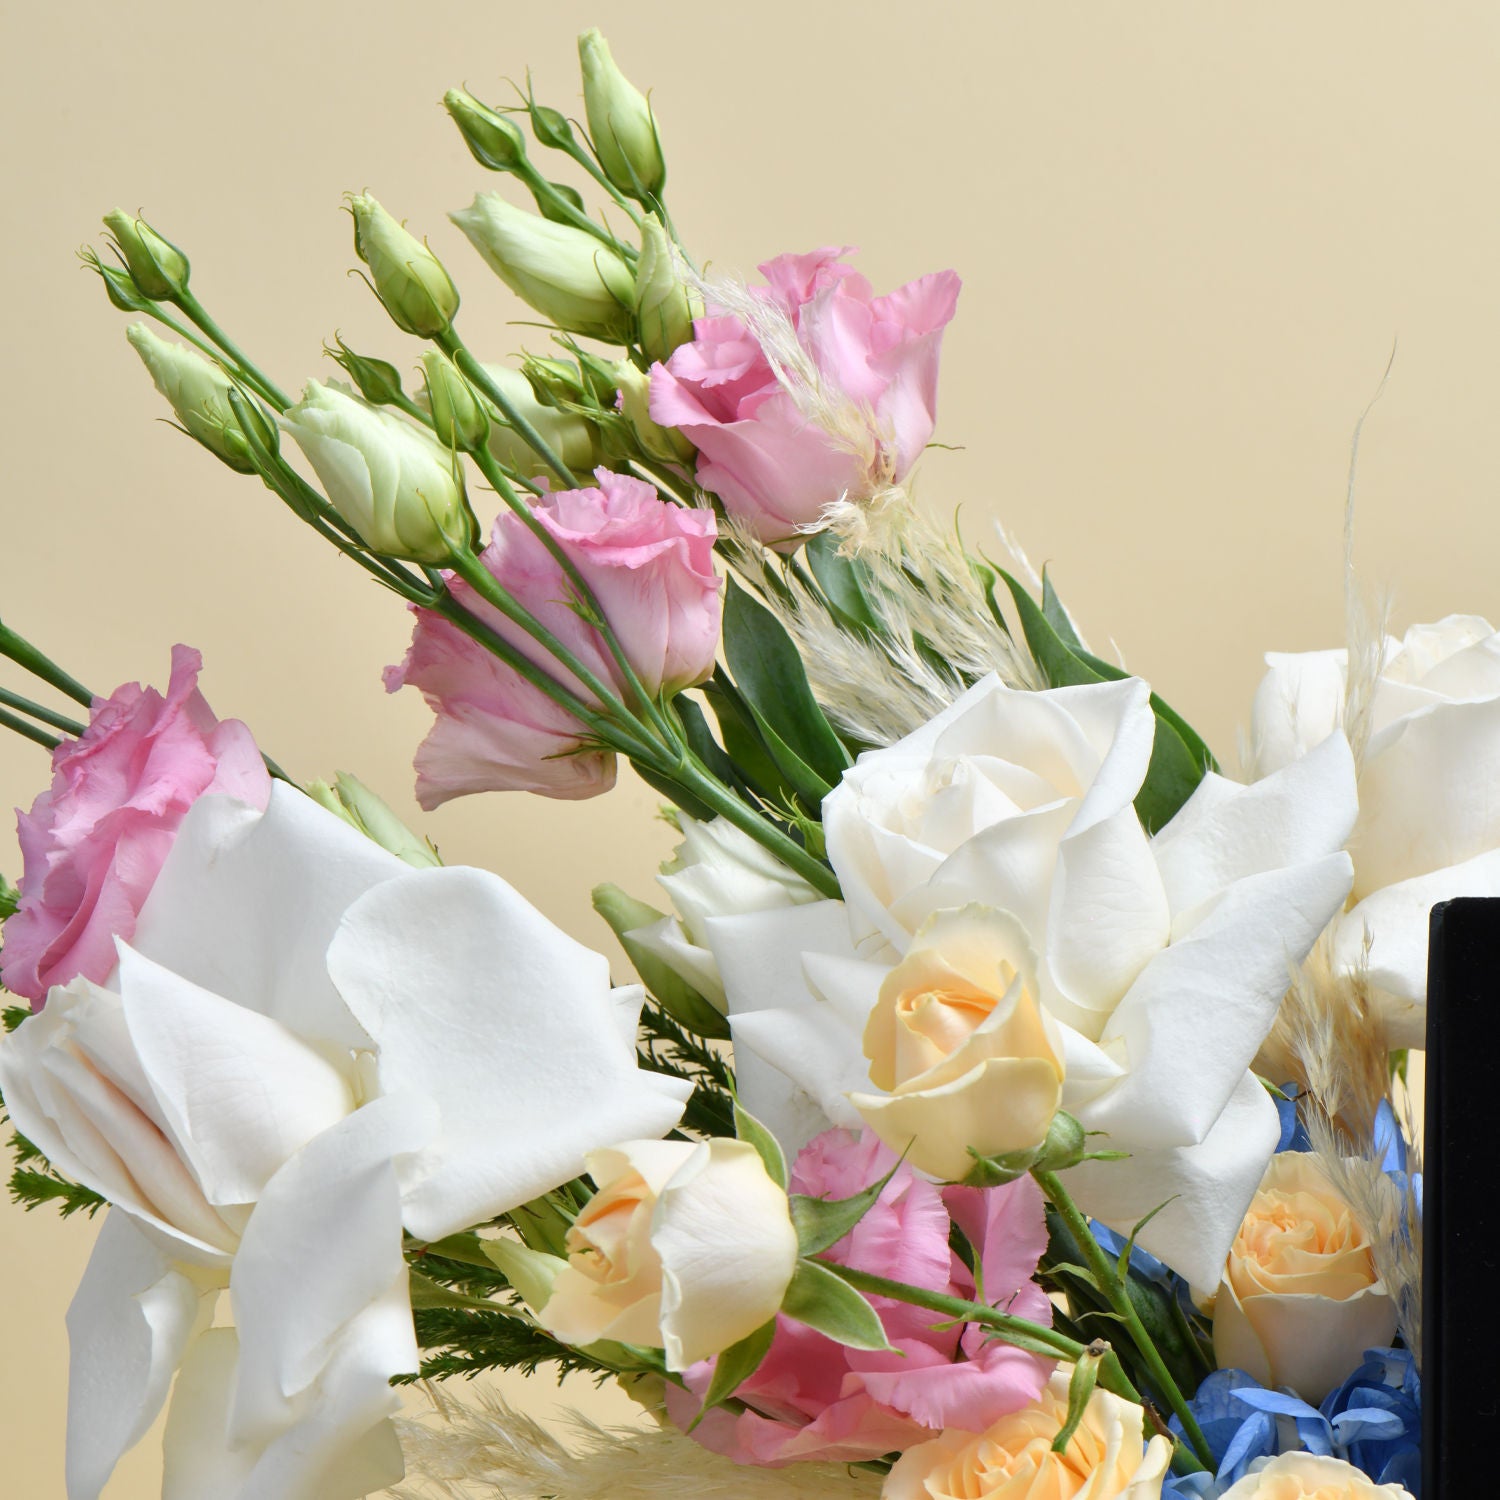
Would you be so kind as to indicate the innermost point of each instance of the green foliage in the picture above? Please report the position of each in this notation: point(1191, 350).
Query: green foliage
point(823, 1222)
point(10, 899)
point(668, 1047)
point(13, 1015)
point(1179, 757)
point(469, 1341)
point(34, 1182)
point(819, 1297)
point(735, 1366)
point(767, 1147)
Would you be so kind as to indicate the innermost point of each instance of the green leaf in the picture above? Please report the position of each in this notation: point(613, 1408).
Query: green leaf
point(734, 1366)
point(13, 1015)
point(672, 992)
point(821, 1222)
point(769, 675)
point(1080, 1389)
point(743, 741)
point(821, 1299)
point(701, 741)
point(695, 808)
point(750, 1130)
point(1122, 1265)
point(843, 581)
point(1057, 616)
point(10, 899)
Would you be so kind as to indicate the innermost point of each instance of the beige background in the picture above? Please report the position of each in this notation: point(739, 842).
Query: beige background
point(1190, 234)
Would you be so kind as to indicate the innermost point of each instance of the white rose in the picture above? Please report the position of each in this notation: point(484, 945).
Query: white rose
point(687, 1247)
point(1162, 961)
point(1310, 1476)
point(388, 478)
point(269, 1087)
point(1429, 826)
point(717, 870)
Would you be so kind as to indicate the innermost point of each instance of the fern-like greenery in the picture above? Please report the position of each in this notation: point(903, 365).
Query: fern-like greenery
point(667, 1047)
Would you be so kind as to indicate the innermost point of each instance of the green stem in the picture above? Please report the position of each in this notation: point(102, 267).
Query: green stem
point(453, 346)
point(199, 315)
point(37, 711)
point(541, 188)
point(24, 654)
point(697, 779)
point(1119, 1299)
point(28, 730)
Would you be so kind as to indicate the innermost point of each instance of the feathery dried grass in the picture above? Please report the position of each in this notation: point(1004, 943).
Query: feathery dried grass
point(936, 636)
point(486, 1450)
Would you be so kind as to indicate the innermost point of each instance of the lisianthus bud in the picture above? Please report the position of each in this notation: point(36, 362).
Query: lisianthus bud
point(648, 1260)
point(198, 392)
point(408, 278)
point(620, 122)
point(359, 807)
point(492, 140)
point(571, 436)
point(386, 477)
point(656, 441)
point(376, 379)
point(156, 265)
point(664, 309)
point(564, 273)
point(459, 416)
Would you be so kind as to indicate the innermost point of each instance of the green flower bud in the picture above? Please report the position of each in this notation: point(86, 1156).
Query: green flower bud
point(491, 138)
point(388, 478)
point(565, 274)
point(376, 379)
point(358, 806)
point(550, 127)
point(408, 278)
point(158, 268)
point(198, 392)
point(656, 441)
point(664, 307)
point(620, 122)
point(530, 1272)
point(570, 435)
point(459, 416)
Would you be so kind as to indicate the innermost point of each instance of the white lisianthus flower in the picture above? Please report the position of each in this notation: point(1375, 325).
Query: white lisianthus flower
point(388, 478)
point(297, 1057)
point(687, 1247)
point(717, 870)
point(1161, 961)
point(1428, 827)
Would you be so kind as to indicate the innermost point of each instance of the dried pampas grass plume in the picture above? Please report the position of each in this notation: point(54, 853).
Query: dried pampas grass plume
point(486, 1450)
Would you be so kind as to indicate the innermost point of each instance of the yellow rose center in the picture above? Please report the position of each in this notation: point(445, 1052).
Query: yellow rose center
point(600, 1241)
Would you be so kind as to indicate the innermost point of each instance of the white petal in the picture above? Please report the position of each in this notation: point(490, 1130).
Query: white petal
point(1193, 1021)
point(239, 1093)
point(1225, 832)
point(127, 1328)
point(1299, 703)
point(1119, 722)
point(1210, 1186)
point(727, 1247)
point(668, 940)
point(478, 1003)
point(344, 1446)
point(1396, 921)
point(1108, 917)
point(817, 1052)
point(760, 953)
point(1427, 794)
point(322, 1246)
point(296, 868)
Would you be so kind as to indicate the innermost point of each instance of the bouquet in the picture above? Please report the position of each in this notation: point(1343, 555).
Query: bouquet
point(1005, 1100)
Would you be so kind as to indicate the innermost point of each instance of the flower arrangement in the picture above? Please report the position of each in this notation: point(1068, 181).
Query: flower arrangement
point(1008, 1102)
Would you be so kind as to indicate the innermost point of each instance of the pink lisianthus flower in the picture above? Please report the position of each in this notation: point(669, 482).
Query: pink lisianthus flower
point(777, 457)
point(649, 565)
point(813, 1398)
point(96, 839)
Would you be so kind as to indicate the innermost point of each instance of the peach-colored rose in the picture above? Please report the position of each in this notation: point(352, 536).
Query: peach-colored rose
point(1311, 1476)
point(1107, 1457)
point(957, 1040)
point(1300, 1298)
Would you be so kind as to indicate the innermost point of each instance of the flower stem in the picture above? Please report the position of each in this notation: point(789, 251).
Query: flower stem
point(24, 654)
point(28, 731)
point(1114, 1289)
point(43, 715)
point(199, 315)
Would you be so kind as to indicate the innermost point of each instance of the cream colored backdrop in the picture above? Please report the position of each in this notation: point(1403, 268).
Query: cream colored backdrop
point(1190, 235)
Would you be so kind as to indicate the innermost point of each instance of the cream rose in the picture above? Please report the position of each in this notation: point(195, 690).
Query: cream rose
point(1428, 828)
point(1160, 960)
point(686, 1247)
point(957, 1040)
point(1300, 1299)
point(1310, 1476)
point(1107, 1458)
